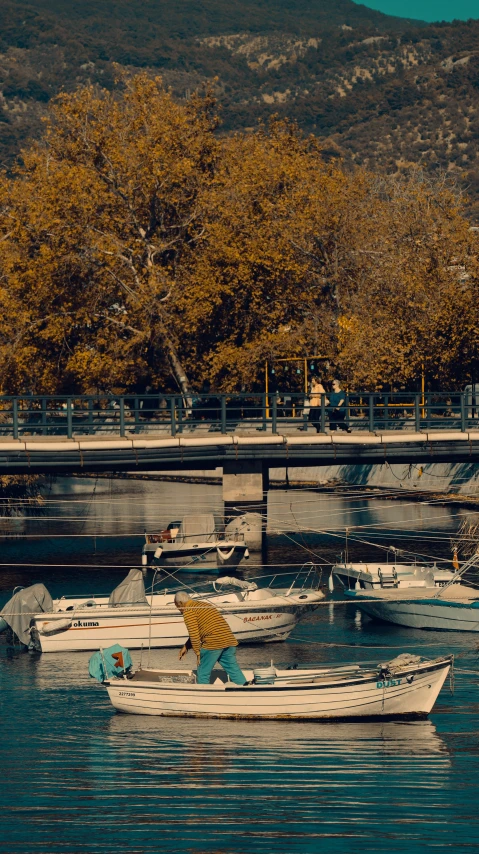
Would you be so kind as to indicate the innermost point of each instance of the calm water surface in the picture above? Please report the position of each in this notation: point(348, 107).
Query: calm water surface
point(79, 778)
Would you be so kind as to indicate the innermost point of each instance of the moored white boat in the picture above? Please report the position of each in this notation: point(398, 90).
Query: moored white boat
point(406, 687)
point(458, 611)
point(195, 544)
point(133, 618)
point(372, 575)
point(453, 607)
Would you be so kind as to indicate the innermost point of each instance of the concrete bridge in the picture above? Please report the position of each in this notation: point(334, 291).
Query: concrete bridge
point(245, 435)
point(245, 451)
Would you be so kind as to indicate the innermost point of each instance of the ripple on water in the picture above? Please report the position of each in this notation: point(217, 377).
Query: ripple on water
point(79, 778)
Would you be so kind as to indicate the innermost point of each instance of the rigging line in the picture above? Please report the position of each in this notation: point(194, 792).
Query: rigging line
point(376, 525)
point(330, 533)
point(356, 538)
point(140, 566)
point(341, 512)
point(390, 523)
point(322, 602)
point(366, 646)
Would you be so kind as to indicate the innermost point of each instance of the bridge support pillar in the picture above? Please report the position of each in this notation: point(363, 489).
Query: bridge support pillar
point(245, 493)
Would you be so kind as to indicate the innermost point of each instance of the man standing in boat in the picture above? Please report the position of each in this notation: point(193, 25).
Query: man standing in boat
point(210, 637)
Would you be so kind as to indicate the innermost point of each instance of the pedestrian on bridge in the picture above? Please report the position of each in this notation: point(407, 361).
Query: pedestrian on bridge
point(337, 408)
point(317, 390)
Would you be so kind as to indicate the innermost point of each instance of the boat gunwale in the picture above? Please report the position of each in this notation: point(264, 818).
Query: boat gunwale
point(145, 610)
point(429, 667)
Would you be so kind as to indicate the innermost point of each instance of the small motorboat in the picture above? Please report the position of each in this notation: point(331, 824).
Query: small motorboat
point(194, 544)
point(254, 611)
point(373, 575)
point(406, 687)
point(458, 611)
point(452, 607)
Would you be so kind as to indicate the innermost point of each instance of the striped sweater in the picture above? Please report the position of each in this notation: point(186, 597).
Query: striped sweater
point(206, 627)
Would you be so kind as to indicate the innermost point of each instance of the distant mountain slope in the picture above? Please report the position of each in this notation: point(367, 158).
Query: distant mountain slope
point(130, 24)
point(384, 91)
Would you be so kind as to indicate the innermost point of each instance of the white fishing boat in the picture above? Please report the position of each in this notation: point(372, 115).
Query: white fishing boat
point(406, 687)
point(195, 544)
point(137, 619)
point(453, 607)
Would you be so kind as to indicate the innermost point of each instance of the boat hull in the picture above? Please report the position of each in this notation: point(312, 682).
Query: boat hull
point(202, 558)
point(260, 621)
point(425, 614)
point(396, 697)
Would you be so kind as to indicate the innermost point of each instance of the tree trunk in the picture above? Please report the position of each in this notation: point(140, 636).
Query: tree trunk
point(175, 364)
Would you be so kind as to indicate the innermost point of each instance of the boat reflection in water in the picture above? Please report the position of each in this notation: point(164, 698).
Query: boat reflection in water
point(368, 738)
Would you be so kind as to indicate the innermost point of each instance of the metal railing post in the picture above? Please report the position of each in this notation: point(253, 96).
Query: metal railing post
point(265, 413)
point(417, 413)
point(180, 415)
point(172, 416)
point(323, 413)
point(44, 416)
point(69, 418)
point(463, 412)
point(90, 416)
point(223, 413)
point(15, 417)
point(274, 414)
point(136, 408)
point(371, 413)
point(122, 417)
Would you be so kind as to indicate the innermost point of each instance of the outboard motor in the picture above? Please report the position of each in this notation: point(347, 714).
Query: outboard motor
point(22, 607)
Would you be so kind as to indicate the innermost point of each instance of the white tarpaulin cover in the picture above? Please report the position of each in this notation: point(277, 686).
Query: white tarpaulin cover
point(131, 591)
point(201, 525)
point(23, 605)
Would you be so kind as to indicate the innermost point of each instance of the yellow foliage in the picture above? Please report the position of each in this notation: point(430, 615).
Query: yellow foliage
point(138, 246)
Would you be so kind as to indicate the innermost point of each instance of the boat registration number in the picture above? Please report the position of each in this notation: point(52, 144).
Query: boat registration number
point(388, 683)
point(126, 694)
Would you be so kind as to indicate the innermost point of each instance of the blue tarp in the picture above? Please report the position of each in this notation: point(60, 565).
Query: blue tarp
point(106, 663)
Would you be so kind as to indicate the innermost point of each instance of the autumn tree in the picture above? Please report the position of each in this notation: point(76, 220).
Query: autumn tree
point(137, 245)
point(94, 227)
point(413, 306)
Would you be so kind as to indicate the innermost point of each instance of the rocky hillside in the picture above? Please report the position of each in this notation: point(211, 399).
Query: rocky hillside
point(382, 91)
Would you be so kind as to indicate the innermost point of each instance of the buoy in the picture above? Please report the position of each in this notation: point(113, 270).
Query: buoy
point(357, 586)
point(158, 553)
point(331, 583)
point(144, 560)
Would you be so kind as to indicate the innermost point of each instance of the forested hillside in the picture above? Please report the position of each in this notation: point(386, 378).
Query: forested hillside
point(383, 92)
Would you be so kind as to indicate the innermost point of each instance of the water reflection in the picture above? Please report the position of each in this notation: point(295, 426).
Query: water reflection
point(78, 777)
point(313, 740)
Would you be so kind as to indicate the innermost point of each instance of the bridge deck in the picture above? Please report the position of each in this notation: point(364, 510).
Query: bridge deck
point(203, 449)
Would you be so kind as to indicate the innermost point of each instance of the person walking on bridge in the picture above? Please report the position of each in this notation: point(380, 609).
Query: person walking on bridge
point(210, 637)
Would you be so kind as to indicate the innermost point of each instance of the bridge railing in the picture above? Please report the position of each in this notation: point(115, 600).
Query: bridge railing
point(171, 415)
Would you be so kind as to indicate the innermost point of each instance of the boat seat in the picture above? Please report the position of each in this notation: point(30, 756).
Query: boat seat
point(165, 676)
